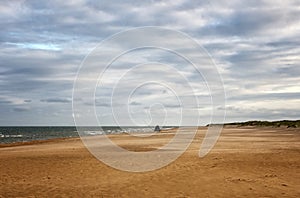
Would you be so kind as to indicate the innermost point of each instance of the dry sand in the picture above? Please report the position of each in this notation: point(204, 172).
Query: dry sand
point(246, 162)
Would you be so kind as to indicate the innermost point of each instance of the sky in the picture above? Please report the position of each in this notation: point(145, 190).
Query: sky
point(253, 44)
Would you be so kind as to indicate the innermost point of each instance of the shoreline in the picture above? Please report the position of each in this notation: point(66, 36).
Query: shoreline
point(36, 142)
point(56, 139)
point(170, 131)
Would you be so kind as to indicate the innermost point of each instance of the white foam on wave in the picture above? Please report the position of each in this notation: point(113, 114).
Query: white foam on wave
point(116, 131)
point(93, 132)
point(136, 130)
point(10, 136)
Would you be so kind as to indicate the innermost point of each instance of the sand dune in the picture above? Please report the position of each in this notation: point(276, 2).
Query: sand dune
point(246, 162)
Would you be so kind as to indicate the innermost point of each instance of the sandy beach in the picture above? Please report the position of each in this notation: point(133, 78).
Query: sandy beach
point(245, 162)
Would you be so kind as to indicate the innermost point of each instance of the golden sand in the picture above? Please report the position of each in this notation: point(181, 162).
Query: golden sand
point(245, 162)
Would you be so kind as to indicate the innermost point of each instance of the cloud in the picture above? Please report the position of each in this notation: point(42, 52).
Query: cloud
point(21, 109)
point(255, 45)
point(135, 103)
point(172, 106)
point(5, 102)
point(101, 104)
point(265, 96)
point(56, 100)
point(12, 100)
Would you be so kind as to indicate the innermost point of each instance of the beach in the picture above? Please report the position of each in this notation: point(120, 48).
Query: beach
point(245, 162)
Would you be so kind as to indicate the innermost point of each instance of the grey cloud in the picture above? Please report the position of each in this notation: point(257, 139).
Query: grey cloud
point(135, 103)
point(289, 70)
point(56, 100)
point(285, 43)
point(99, 104)
point(250, 19)
point(254, 43)
point(5, 102)
point(104, 102)
point(21, 109)
point(246, 22)
point(265, 96)
point(172, 106)
point(242, 114)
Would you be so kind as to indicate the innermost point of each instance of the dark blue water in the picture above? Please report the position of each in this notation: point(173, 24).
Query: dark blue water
point(26, 134)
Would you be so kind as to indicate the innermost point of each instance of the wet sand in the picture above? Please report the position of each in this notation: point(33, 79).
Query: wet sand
point(245, 162)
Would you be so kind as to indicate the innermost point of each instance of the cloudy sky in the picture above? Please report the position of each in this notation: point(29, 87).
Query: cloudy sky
point(254, 45)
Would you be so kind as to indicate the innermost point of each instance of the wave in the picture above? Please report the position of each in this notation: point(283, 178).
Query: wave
point(117, 131)
point(11, 136)
point(25, 134)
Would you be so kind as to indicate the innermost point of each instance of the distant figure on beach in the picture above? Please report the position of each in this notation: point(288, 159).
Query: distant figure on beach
point(157, 128)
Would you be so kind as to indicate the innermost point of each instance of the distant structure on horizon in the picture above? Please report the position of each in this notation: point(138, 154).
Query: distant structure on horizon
point(157, 128)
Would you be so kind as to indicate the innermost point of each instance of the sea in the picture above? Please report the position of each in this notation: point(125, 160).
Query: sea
point(13, 134)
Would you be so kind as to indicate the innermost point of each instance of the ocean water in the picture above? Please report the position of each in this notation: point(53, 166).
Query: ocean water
point(26, 134)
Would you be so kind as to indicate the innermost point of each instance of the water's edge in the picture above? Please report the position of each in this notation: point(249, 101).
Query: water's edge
point(27, 134)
